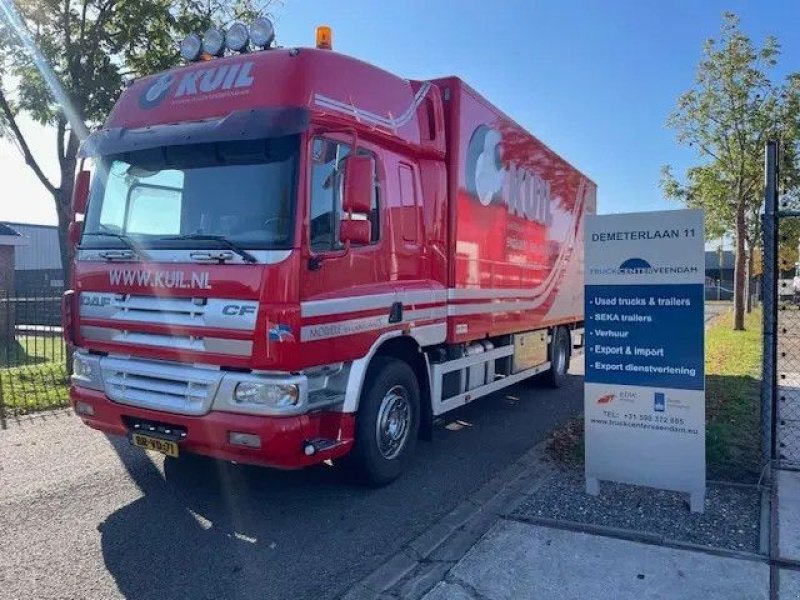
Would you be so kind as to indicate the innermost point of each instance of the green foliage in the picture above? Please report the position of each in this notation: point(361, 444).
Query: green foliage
point(727, 116)
point(33, 374)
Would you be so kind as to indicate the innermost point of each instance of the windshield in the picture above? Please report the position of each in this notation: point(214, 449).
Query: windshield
point(243, 191)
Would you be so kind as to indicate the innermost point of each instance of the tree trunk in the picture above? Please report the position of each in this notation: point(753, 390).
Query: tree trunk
point(740, 269)
point(749, 280)
point(62, 196)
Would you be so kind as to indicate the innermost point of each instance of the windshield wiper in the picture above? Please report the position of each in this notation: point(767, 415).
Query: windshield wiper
point(137, 252)
point(232, 246)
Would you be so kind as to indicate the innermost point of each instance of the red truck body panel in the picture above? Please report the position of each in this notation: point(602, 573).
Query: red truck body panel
point(516, 223)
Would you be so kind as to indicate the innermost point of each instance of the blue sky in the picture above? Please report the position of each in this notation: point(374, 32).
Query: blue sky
point(594, 80)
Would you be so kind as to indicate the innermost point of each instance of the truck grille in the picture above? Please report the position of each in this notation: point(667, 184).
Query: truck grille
point(187, 312)
point(120, 319)
point(157, 385)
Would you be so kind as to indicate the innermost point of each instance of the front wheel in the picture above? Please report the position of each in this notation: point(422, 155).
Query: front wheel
point(388, 421)
point(559, 358)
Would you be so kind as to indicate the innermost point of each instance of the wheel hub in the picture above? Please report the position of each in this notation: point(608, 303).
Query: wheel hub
point(394, 417)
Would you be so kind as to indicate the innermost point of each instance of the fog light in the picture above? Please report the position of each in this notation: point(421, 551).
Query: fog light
point(309, 449)
point(84, 408)
point(237, 438)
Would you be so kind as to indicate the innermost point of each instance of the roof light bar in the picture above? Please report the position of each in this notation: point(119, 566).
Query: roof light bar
point(237, 37)
point(262, 33)
point(191, 47)
point(214, 42)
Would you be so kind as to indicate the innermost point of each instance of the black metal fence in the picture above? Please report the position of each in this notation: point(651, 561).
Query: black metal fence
point(33, 356)
point(780, 390)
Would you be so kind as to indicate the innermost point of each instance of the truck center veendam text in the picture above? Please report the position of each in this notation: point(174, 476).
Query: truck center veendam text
point(287, 256)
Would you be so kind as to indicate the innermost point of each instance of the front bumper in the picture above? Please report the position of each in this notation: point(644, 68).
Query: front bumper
point(283, 439)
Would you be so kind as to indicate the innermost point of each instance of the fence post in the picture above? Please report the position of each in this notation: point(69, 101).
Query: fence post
point(3, 424)
point(4, 310)
point(769, 375)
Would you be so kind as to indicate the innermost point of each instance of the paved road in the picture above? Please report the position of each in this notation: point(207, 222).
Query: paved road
point(86, 517)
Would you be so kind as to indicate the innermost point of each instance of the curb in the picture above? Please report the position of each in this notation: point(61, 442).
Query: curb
point(424, 561)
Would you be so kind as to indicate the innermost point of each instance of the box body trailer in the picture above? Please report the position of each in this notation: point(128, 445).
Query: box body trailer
point(292, 256)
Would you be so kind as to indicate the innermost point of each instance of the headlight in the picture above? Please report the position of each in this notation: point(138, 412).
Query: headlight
point(81, 368)
point(266, 394)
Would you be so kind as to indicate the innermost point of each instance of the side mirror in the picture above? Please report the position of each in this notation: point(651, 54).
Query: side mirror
point(358, 183)
point(356, 232)
point(80, 194)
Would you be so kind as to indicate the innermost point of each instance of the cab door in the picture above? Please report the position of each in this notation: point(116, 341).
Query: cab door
point(339, 284)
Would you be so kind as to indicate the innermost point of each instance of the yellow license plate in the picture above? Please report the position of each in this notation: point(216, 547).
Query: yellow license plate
point(153, 443)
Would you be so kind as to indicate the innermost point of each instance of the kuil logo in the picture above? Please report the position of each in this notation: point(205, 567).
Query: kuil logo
point(153, 95)
point(199, 82)
point(528, 195)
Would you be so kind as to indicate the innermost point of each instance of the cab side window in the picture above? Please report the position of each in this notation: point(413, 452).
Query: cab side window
point(327, 169)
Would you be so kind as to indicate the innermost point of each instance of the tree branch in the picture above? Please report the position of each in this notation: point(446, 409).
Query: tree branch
point(23, 145)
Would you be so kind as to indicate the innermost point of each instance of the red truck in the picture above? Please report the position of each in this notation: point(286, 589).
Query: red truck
point(288, 256)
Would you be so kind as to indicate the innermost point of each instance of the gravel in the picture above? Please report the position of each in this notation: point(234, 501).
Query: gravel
point(731, 518)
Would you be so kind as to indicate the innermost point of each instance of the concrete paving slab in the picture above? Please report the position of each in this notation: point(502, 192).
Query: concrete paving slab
point(788, 585)
point(789, 439)
point(519, 561)
point(448, 591)
point(789, 515)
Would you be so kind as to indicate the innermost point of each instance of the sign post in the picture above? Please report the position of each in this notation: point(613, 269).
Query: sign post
point(644, 397)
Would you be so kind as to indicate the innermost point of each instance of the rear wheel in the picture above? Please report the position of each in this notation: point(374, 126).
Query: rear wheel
point(388, 421)
point(559, 358)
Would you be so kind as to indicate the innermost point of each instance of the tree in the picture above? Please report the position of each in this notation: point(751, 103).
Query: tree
point(65, 62)
point(732, 109)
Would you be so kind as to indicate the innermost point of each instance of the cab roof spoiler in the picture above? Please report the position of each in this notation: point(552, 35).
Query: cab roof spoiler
point(249, 124)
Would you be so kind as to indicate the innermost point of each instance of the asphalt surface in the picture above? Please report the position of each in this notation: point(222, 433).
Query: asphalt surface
point(83, 516)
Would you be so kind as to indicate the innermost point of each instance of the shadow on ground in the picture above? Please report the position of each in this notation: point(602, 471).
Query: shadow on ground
point(207, 529)
point(733, 428)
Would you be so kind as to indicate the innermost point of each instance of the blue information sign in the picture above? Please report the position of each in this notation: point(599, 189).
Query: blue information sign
point(644, 401)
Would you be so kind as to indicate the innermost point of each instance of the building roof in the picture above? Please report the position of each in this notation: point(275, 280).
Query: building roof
point(38, 246)
point(6, 229)
point(9, 236)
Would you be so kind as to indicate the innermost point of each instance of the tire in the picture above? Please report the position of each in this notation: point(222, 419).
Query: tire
point(559, 358)
point(388, 421)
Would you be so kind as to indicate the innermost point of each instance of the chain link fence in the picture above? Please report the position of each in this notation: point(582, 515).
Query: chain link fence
point(33, 356)
point(787, 421)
